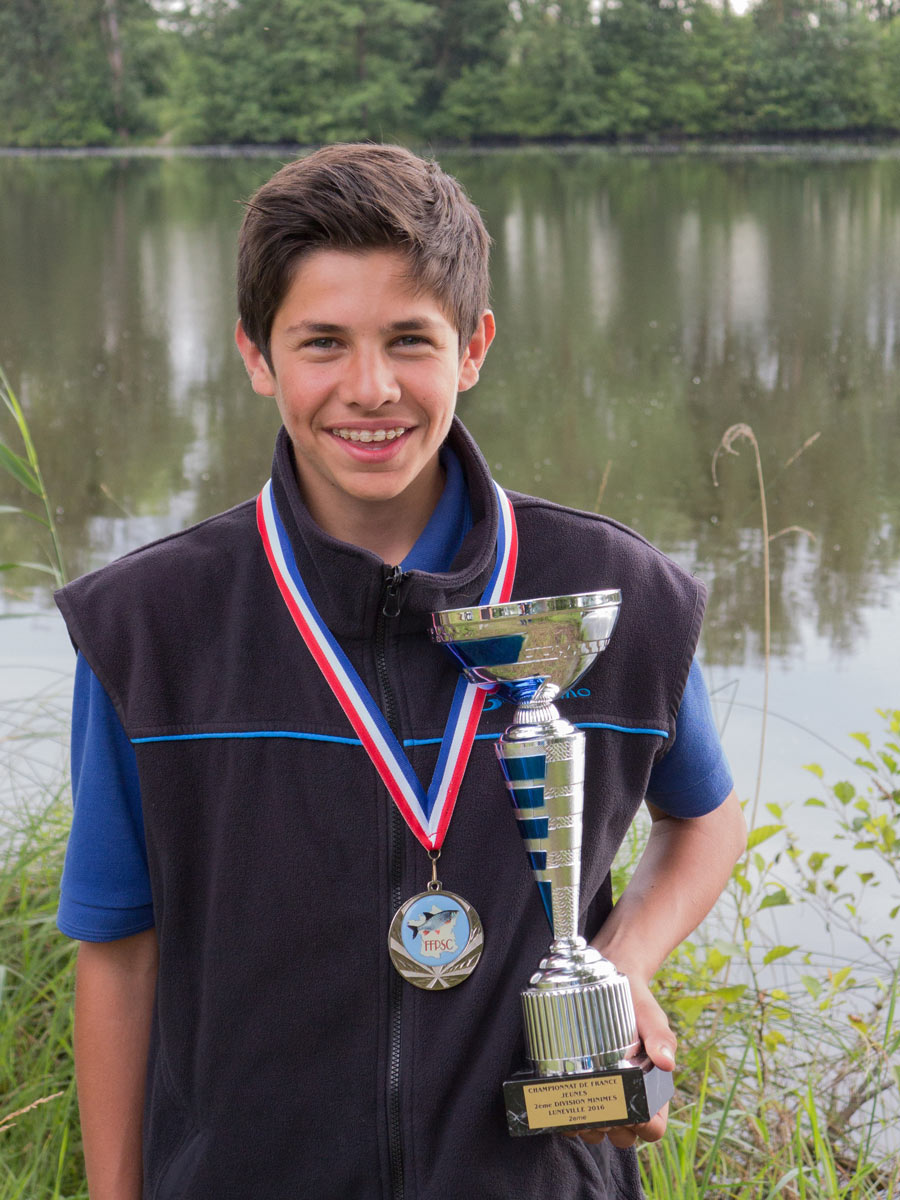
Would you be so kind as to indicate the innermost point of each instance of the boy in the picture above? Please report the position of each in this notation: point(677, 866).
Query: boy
point(236, 858)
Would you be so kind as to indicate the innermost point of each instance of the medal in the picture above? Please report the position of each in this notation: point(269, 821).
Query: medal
point(436, 937)
point(425, 953)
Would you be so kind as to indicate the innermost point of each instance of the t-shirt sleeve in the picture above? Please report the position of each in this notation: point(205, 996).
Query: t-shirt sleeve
point(694, 777)
point(105, 891)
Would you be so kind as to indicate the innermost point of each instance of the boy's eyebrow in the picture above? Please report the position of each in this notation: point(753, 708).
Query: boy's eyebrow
point(411, 325)
point(326, 328)
point(318, 327)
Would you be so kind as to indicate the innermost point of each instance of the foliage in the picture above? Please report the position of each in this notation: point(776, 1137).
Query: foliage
point(99, 72)
point(788, 1078)
point(39, 1138)
point(300, 70)
point(79, 72)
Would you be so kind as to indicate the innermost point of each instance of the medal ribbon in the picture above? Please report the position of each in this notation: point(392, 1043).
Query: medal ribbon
point(426, 813)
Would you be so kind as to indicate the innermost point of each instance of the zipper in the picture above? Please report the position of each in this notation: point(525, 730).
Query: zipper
point(388, 609)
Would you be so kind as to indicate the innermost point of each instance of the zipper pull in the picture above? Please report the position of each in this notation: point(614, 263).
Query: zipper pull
point(390, 591)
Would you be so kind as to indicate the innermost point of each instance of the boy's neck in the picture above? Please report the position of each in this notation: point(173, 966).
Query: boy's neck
point(388, 528)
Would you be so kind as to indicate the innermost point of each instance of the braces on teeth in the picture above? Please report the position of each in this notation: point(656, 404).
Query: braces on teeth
point(369, 435)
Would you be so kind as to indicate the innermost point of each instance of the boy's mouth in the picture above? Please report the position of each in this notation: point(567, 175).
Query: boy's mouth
point(370, 435)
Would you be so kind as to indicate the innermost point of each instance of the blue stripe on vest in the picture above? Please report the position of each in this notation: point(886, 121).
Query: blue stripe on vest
point(347, 741)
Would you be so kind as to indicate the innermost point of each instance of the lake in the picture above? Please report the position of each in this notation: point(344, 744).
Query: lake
point(645, 304)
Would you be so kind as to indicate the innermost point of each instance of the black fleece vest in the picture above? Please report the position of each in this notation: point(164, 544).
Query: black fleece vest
point(283, 1062)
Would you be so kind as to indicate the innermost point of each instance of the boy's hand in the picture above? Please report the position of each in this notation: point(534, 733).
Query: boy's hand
point(659, 1042)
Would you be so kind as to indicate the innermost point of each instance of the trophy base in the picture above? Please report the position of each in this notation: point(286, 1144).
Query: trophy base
point(628, 1094)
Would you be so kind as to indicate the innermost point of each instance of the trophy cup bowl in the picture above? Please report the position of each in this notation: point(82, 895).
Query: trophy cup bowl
point(588, 1068)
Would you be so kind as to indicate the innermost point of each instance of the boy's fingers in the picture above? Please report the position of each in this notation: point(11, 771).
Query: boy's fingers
point(624, 1136)
point(653, 1027)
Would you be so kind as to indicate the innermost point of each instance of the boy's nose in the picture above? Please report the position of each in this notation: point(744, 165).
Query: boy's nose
point(371, 381)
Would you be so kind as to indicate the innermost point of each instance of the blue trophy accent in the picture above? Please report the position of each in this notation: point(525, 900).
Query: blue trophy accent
point(490, 651)
point(525, 781)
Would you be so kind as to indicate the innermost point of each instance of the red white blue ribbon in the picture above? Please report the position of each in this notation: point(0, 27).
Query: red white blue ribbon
point(428, 812)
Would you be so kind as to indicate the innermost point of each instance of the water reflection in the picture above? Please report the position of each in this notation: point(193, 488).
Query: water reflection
point(644, 305)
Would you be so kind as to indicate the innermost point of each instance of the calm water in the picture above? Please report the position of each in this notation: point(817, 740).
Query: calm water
point(644, 305)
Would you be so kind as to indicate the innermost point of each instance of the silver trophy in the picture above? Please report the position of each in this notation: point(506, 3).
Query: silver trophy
point(588, 1068)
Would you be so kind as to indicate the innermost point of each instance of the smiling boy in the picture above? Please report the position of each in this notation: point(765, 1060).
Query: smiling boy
point(236, 856)
point(365, 370)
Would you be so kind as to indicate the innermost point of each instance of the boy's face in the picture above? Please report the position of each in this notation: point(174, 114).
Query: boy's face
point(365, 373)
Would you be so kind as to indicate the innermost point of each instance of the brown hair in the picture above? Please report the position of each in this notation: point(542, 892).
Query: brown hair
point(363, 196)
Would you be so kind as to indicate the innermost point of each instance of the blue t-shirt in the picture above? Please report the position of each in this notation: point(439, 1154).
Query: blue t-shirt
point(105, 892)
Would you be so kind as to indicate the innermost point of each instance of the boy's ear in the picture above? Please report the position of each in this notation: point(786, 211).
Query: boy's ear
point(474, 353)
point(261, 378)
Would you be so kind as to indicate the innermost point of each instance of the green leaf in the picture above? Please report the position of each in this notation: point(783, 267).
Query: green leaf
point(31, 566)
point(814, 802)
point(863, 739)
point(844, 791)
point(812, 985)
point(775, 900)
point(762, 834)
point(815, 769)
point(11, 510)
point(778, 952)
point(728, 994)
point(839, 977)
point(19, 469)
point(727, 948)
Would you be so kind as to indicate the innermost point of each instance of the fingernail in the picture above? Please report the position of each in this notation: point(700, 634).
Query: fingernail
point(666, 1053)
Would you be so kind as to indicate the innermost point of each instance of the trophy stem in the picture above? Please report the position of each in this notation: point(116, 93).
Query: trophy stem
point(542, 756)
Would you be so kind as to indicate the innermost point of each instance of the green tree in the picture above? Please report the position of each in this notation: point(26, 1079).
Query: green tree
point(76, 72)
point(815, 69)
point(300, 70)
point(465, 47)
point(551, 87)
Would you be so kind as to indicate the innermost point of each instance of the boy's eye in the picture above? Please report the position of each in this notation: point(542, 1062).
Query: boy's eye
point(411, 339)
point(322, 343)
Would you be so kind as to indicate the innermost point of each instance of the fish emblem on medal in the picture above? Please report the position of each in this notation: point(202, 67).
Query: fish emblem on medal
point(436, 938)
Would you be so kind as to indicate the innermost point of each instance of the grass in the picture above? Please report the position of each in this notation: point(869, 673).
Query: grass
point(39, 1138)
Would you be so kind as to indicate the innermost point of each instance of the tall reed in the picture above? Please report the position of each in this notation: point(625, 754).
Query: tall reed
point(26, 471)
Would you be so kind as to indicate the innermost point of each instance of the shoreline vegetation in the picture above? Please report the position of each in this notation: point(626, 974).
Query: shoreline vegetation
point(104, 73)
point(839, 146)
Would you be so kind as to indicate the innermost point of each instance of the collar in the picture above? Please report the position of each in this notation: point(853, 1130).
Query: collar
point(440, 540)
point(346, 582)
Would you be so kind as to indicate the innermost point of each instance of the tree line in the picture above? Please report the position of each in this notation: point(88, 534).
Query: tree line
point(108, 72)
